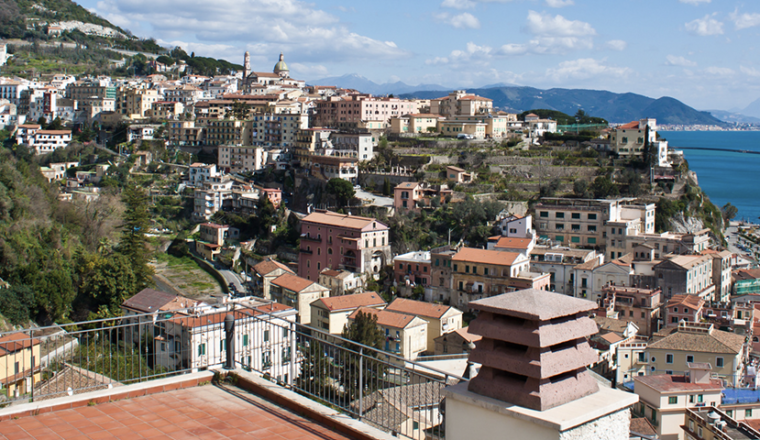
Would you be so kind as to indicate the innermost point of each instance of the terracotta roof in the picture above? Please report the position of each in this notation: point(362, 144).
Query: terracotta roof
point(642, 425)
point(464, 332)
point(61, 132)
point(269, 266)
point(273, 307)
point(453, 168)
point(407, 185)
point(625, 260)
point(33, 126)
point(148, 300)
point(15, 342)
point(746, 274)
point(691, 301)
point(484, 256)
point(340, 220)
point(610, 324)
point(384, 317)
point(211, 318)
point(292, 282)
point(687, 261)
point(589, 265)
point(513, 243)
point(716, 341)
point(666, 383)
point(412, 307)
point(630, 126)
point(214, 225)
point(611, 337)
point(348, 302)
point(330, 273)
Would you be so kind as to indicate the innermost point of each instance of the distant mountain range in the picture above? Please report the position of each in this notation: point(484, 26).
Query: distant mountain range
point(614, 107)
point(362, 84)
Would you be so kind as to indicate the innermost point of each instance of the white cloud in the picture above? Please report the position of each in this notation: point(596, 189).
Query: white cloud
point(458, 4)
point(585, 68)
point(750, 71)
point(746, 20)
point(545, 24)
point(309, 71)
point(679, 61)
point(464, 20)
point(720, 71)
point(705, 26)
point(292, 26)
point(694, 2)
point(473, 54)
point(616, 45)
point(559, 3)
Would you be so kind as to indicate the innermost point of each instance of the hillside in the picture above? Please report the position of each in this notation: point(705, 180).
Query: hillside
point(15, 15)
point(614, 107)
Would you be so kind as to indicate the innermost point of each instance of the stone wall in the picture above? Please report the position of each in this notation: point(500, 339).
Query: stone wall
point(378, 179)
point(615, 426)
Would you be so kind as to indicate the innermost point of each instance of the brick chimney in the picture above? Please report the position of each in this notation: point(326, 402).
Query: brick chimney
point(534, 350)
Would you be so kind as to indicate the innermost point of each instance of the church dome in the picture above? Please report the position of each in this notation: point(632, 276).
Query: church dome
point(281, 67)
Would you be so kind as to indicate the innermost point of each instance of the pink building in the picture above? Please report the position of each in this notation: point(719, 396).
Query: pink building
point(338, 241)
point(683, 308)
point(417, 195)
point(274, 195)
point(345, 111)
point(412, 268)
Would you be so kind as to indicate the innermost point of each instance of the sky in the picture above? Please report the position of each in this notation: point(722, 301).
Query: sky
point(702, 52)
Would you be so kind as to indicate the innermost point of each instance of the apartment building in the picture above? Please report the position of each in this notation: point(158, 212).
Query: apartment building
point(199, 173)
point(441, 271)
point(166, 110)
point(185, 94)
point(593, 223)
point(412, 268)
point(361, 143)
point(136, 103)
point(405, 335)
point(628, 139)
point(721, 275)
point(42, 141)
point(237, 159)
point(334, 164)
point(440, 319)
point(338, 241)
point(331, 314)
point(671, 242)
point(664, 399)
point(418, 123)
point(11, 90)
point(481, 273)
point(347, 111)
point(186, 133)
point(277, 129)
point(210, 197)
point(299, 293)
point(20, 366)
point(308, 141)
point(698, 343)
point(82, 90)
point(227, 132)
point(637, 304)
point(683, 308)
point(341, 282)
point(559, 263)
point(690, 274)
point(417, 195)
point(460, 103)
point(263, 273)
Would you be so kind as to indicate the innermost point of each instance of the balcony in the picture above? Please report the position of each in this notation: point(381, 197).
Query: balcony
point(308, 237)
point(306, 251)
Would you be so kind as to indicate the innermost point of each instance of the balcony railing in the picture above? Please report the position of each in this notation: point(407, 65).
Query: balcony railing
point(358, 380)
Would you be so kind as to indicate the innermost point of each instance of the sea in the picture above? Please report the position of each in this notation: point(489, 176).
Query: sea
point(725, 176)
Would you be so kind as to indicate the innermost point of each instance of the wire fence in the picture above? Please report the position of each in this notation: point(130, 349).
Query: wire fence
point(380, 388)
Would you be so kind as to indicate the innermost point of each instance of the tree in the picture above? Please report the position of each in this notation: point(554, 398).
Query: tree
point(315, 376)
point(387, 189)
point(342, 190)
point(604, 187)
point(551, 189)
point(581, 189)
point(134, 242)
point(240, 110)
point(363, 330)
point(729, 211)
point(16, 302)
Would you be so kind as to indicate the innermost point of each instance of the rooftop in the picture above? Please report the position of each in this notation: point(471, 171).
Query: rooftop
point(534, 304)
point(421, 308)
point(341, 220)
point(348, 302)
point(707, 341)
point(691, 301)
point(484, 256)
point(668, 383)
point(386, 318)
point(292, 282)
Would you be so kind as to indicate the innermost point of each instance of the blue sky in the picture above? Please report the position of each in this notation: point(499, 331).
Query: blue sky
point(702, 52)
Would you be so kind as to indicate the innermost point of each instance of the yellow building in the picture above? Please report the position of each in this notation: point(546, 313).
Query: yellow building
point(19, 364)
point(331, 314)
point(405, 335)
point(136, 103)
point(697, 343)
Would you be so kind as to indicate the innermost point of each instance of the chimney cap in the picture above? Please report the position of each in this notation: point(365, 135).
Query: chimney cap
point(534, 305)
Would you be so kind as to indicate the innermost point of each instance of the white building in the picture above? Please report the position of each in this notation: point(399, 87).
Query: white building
point(201, 172)
point(235, 159)
point(42, 141)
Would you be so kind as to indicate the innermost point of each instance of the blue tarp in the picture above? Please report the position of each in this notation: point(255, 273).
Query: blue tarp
point(740, 395)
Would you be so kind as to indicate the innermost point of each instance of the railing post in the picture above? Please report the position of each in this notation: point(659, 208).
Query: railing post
point(361, 381)
point(229, 331)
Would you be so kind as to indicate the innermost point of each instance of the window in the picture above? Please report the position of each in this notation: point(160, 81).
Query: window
point(559, 238)
point(668, 358)
point(245, 340)
point(485, 271)
point(700, 398)
point(266, 361)
point(642, 357)
point(719, 362)
point(747, 413)
point(730, 413)
point(592, 216)
point(691, 398)
point(222, 345)
point(670, 372)
point(675, 309)
point(690, 359)
point(672, 400)
point(467, 269)
point(575, 239)
point(592, 241)
point(592, 228)
point(455, 268)
point(201, 349)
point(560, 215)
point(560, 226)
point(575, 215)
point(543, 214)
point(266, 335)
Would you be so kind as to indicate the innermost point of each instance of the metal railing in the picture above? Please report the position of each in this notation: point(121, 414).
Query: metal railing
point(377, 387)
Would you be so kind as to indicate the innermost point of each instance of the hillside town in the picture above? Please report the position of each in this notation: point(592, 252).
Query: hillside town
point(469, 255)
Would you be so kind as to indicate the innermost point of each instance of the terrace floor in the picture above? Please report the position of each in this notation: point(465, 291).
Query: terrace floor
point(205, 412)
